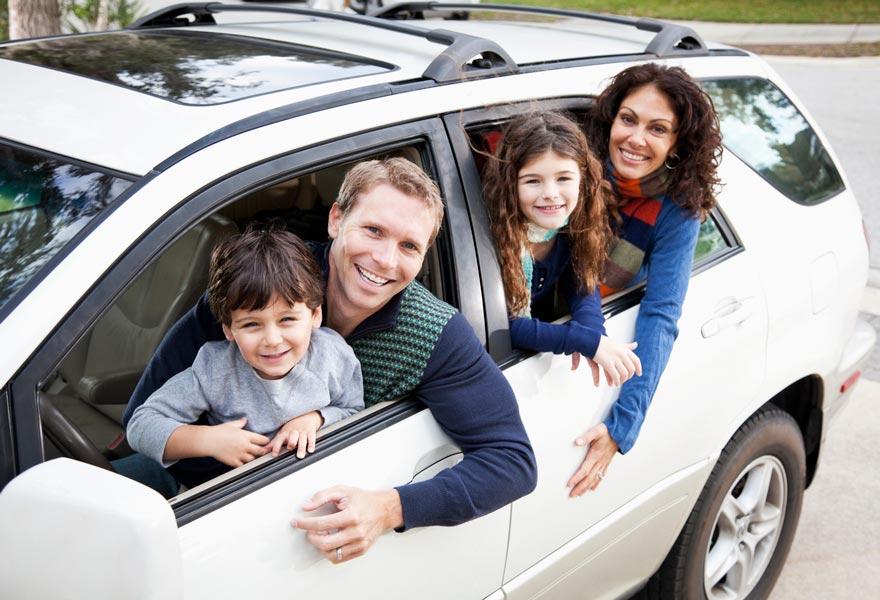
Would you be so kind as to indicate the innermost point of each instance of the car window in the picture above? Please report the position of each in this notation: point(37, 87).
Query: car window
point(192, 67)
point(44, 201)
point(93, 382)
point(710, 241)
point(762, 127)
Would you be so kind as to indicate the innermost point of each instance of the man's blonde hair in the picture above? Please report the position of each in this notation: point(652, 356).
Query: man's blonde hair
point(399, 173)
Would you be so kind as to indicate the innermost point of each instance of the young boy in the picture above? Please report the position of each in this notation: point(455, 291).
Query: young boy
point(277, 379)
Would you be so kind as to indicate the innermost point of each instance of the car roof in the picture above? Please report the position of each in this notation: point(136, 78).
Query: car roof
point(70, 111)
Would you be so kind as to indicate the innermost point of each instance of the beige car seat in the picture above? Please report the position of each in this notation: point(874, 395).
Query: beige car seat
point(105, 366)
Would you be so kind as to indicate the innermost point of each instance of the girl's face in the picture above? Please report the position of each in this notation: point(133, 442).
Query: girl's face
point(643, 133)
point(549, 189)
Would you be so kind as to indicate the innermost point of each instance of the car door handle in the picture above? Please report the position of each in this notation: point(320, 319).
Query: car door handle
point(435, 461)
point(730, 312)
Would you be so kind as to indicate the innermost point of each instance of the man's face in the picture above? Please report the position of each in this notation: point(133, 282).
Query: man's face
point(378, 248)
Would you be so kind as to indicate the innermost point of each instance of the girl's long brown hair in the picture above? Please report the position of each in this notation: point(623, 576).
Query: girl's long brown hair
point(524, 139)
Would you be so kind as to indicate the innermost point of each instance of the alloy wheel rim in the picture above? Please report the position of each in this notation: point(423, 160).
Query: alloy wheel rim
point(746, 530)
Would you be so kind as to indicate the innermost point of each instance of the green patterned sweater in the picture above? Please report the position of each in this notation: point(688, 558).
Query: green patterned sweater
point(393, 360)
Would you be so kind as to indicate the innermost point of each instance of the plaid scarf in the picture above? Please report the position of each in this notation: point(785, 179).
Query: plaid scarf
point(640, 202)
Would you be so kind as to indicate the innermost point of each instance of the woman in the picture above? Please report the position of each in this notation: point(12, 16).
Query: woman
point(657, 132)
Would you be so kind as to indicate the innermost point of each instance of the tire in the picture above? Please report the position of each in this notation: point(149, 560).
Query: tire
point(736, 540)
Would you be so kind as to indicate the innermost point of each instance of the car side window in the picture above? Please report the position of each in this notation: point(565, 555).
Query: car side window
point(92, 383)
point(710, 241)
point(766, 130)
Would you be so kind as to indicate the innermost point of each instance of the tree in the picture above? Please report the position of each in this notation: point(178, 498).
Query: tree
point(32, 18)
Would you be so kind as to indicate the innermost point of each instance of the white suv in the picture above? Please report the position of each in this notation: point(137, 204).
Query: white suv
point(124, 156)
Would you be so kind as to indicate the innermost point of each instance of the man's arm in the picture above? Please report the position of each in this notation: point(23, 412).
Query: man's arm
point(475, 405)
point(176, 352)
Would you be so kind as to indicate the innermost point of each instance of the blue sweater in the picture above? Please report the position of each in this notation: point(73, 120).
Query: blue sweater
point(666, 271)
point(667, 268)
point(461, 385)
point(586, 327)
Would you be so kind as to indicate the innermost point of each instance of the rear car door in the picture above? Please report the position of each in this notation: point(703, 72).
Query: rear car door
point(605, 542)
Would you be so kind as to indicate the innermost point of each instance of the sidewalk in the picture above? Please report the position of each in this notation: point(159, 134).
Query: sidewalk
point(758, 33)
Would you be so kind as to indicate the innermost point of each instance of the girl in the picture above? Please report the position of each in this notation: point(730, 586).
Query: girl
point(547, 206)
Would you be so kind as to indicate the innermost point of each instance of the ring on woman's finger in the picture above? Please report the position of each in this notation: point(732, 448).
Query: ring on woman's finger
point(339, 553)
point(600, 475)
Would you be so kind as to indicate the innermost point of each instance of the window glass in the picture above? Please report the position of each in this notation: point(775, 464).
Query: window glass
point(710, 240)
point(762, 127)
point(93, 382)
point(191, 67)
point(44, 201)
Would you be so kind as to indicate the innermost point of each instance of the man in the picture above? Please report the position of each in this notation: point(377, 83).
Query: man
point(386, 217)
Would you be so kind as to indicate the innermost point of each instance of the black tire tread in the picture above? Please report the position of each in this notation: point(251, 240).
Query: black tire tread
point(671, 575)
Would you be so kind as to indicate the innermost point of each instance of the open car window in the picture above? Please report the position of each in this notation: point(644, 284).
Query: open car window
point(93, 382)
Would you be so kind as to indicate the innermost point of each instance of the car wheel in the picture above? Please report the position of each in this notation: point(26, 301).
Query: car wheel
point(736, 540)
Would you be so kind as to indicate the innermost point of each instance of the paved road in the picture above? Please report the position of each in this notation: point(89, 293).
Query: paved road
point(842, 95)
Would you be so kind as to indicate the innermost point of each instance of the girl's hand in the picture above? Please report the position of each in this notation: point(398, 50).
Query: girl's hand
point(601, 449)
point(298, 433)
point(617, 360)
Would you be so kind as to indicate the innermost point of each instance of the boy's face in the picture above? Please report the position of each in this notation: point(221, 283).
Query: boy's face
point(273, 339)
point(378, 247)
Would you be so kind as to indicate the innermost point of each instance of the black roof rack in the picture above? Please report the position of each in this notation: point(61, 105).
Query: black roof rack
point(455, 63)
point(671, 39)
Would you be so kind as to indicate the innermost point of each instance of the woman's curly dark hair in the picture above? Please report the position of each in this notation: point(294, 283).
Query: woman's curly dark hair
point(694, 182)
point(523, 139)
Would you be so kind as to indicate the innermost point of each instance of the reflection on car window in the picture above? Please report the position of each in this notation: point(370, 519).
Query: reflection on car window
point(761, 126)
point(709, 241)
point(191, 67)
point(43, 203)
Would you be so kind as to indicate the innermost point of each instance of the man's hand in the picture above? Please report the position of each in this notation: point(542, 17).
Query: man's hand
point(230, 443)
point(297, 433)
point(363, 516)
point(601, 450)
point(617, 360)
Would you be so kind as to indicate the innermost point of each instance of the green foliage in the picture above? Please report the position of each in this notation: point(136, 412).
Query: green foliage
point(85, 14)
point(4, 20)
point(744, 11)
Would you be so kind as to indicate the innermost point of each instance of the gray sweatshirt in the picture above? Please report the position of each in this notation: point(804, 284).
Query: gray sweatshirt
point(225, 387)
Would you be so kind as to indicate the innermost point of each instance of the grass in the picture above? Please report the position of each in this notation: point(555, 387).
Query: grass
point(743, 11)
point(825, 50)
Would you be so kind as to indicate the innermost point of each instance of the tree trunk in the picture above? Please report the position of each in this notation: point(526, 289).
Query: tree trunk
point(103, 15)
point(32, 18)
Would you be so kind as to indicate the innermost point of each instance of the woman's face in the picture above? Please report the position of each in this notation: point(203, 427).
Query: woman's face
point(643, 133)
point(548, 187)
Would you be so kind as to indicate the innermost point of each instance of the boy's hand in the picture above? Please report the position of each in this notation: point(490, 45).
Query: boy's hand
point(231, 444)
point(617, 360)
point(297, 433)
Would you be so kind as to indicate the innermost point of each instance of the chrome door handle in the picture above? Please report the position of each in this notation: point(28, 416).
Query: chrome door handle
point(730, 312)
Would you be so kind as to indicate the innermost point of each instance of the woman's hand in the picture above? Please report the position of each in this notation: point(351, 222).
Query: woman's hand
point(617, 360)
point(298, 433)
point(601, 449)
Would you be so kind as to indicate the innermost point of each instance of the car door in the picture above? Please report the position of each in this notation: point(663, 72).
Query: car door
point(235, 533)
point(606, 542)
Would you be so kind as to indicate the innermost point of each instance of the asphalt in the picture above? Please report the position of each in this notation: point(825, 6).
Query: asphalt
point(760, 33)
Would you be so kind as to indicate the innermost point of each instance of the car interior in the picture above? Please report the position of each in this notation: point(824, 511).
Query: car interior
point(83, 401)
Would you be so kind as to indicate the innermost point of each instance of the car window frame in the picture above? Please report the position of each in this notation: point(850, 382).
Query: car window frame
point(499, 345)
point(455, 240)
